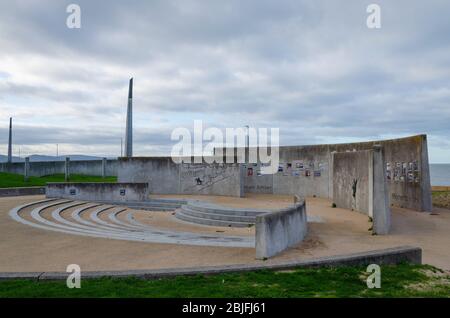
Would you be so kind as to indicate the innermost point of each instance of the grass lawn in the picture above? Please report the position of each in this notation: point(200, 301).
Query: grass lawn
point(396, 281)
point(441, 199)
point(10, 180)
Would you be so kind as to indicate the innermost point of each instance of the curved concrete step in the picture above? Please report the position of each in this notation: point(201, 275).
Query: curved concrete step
point(216, 216)
point(152, 208)
point(189, 218)
point(212, 208)
point(151, 205)
point(48, 214)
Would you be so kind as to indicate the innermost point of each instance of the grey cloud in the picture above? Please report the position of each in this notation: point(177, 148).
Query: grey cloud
point(311, 68)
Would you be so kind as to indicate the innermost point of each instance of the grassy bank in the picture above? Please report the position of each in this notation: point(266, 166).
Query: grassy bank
point(10, 180)
point(441, 198)
point(396, 281)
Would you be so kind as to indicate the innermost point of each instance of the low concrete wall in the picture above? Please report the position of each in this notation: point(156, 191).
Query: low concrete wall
point(279, 230)
point(389, 256)
point(166, 177)
point(96, 191)
point(11, 192)
point(45, 168)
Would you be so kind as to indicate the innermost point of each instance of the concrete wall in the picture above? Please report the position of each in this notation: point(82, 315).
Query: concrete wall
point(352, 176)
point(380, 200)
point(360, 184)
point(44, 168)
point(98, 191)
point(166, 177)
point(277, 231)
point(10, 192)
point(311, 172)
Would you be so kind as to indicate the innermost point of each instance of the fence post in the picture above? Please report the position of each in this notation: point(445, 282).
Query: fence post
point(26, 169)
point(67, 169)
point(104, 168)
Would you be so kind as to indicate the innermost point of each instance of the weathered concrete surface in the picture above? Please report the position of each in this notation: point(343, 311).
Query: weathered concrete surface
point(45, 168)
point(426, 203)
point(10, 192)
point(381, 211)
point(352, 173)
point(279, 230)
point(166, 177)
point(359, 184)
point(390, 256)
point(98, 191)
point(311, 172)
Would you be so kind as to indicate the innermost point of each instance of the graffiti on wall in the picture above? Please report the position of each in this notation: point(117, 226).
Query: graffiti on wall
point(197, 177)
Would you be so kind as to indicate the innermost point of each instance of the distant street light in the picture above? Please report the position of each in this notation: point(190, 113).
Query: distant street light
point(247, 140)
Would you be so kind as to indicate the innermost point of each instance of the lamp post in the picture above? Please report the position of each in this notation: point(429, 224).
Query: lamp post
point(247, 142)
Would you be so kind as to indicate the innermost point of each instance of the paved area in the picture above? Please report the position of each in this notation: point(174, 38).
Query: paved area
point(103, 221)
point(27, 248)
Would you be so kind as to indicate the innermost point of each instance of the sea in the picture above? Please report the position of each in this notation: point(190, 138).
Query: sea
point(440, 174)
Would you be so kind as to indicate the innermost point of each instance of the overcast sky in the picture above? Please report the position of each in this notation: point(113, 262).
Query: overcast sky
point(311, 68)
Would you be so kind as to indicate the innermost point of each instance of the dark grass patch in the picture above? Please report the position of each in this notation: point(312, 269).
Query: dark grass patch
point(396, 281)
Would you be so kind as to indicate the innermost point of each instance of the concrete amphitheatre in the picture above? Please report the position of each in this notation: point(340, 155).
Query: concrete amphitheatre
point(356, 203)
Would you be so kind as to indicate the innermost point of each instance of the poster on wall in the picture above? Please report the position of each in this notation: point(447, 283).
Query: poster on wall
point(307, 173)
point(265, 169)
point(404, 171)
point(388, 171)
point(410, 174)
point(416, 171)
point(397, 171)
point(298, 165)
point(249, 172)
point(288, 169)
point(280, 167)
point(317, 173)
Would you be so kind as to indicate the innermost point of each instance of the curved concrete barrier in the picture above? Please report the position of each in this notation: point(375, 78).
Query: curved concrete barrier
point(279, 230)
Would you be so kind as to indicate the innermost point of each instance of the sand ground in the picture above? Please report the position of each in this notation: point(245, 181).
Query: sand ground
point(24, 248)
